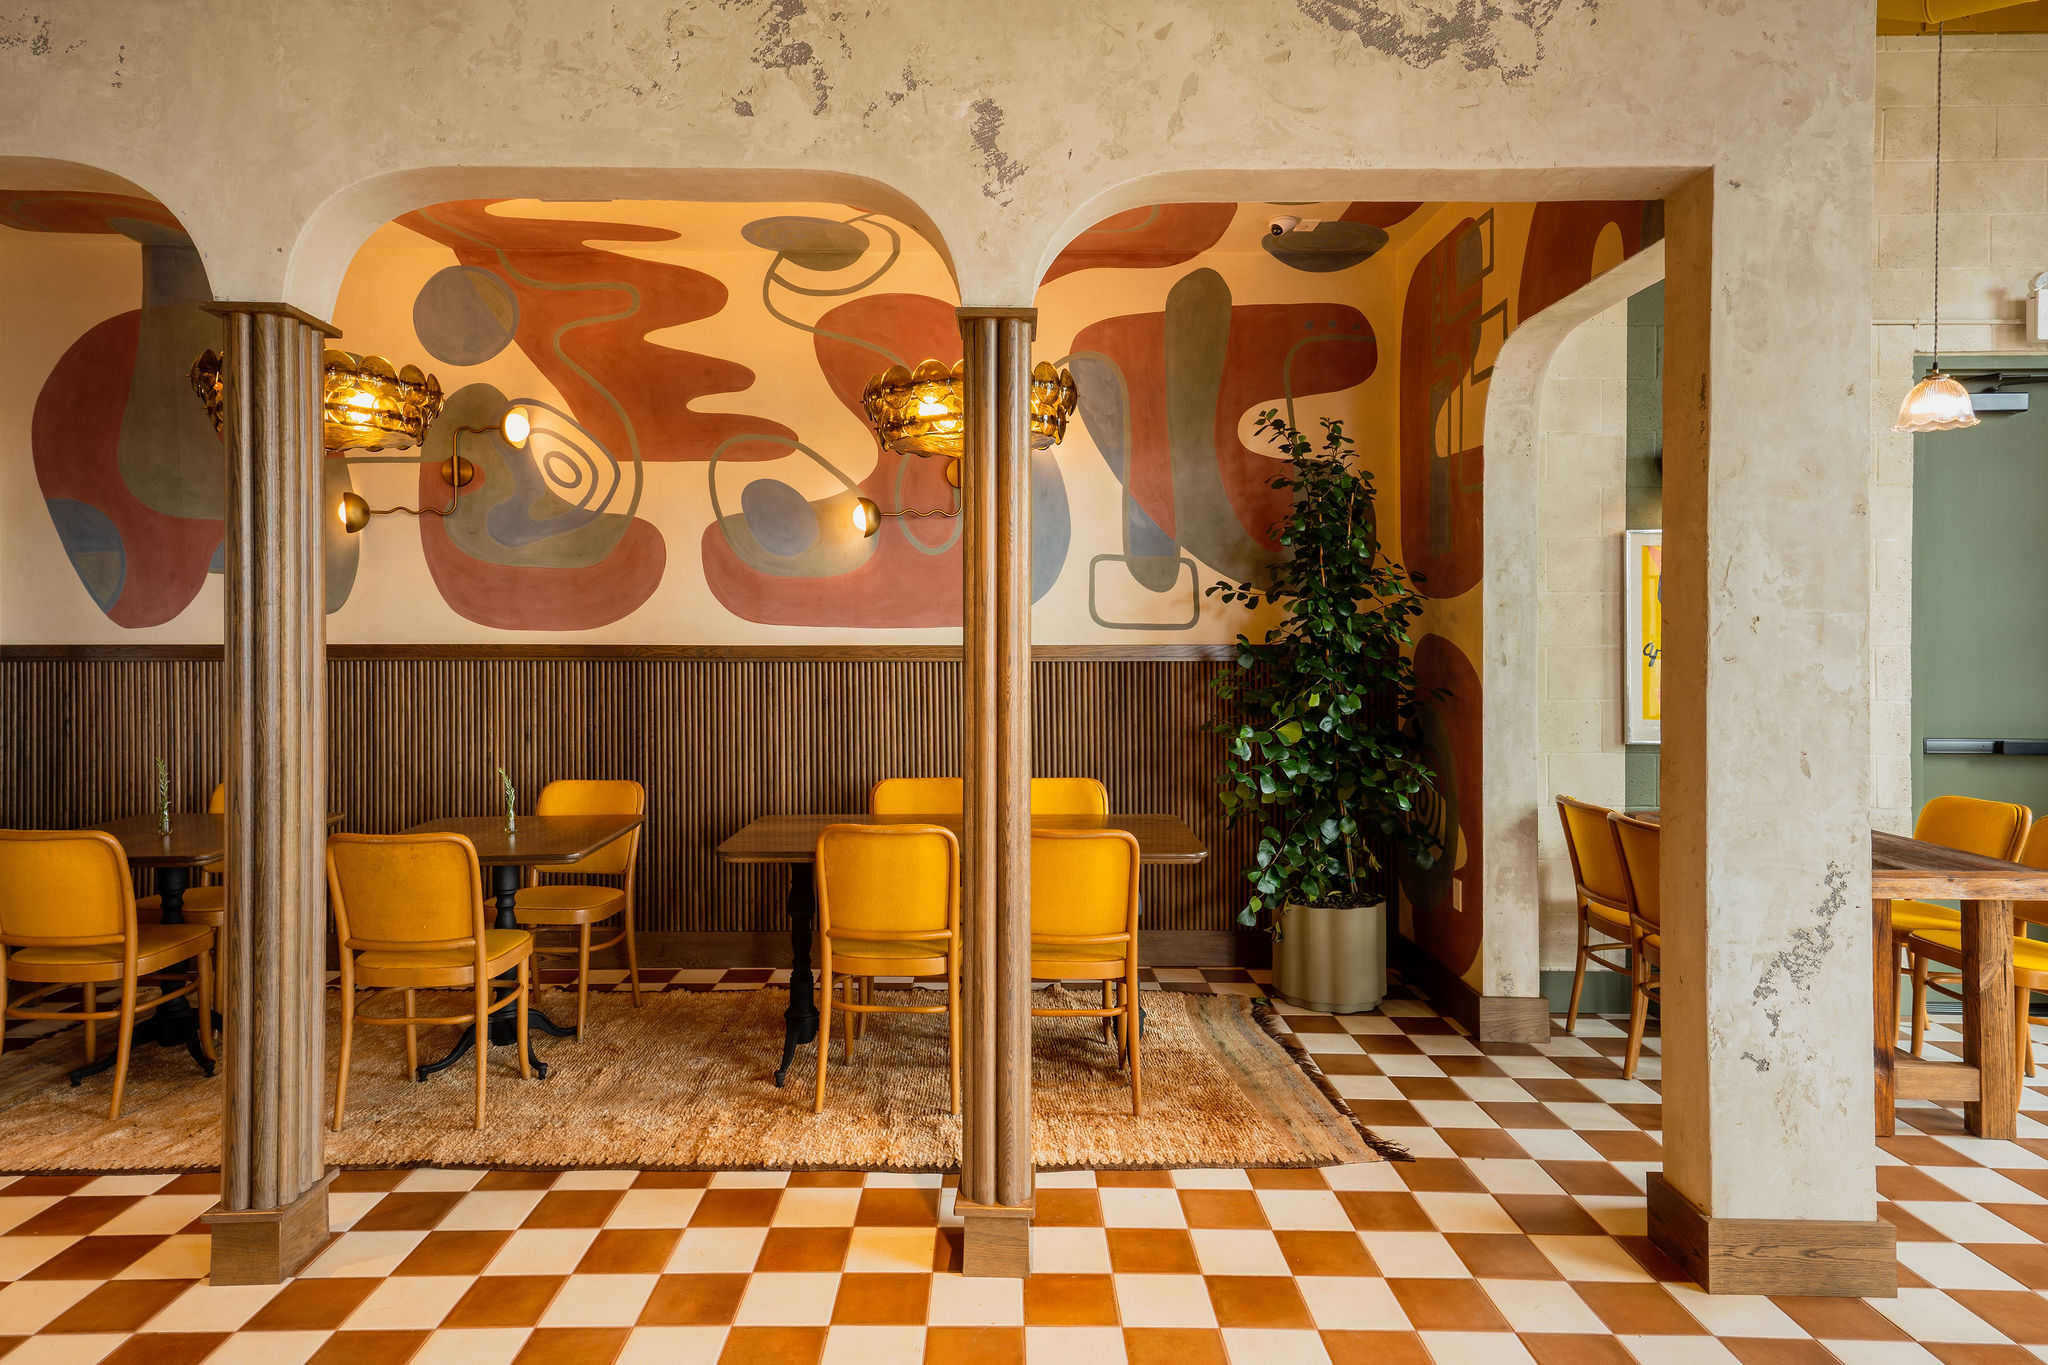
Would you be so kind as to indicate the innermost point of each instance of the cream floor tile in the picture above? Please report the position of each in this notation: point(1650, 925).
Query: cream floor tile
point(1530, 1068)
point(1164, 1301)
point(596, 1180)
point(873, 1345)
point(146, 1183)
point(788, 1299)
point(1453, 1114)
point(1366, 1087)
point(1125, 1207)
point(1219, 1179)
point(364, 1253)
point(213, 1307)
point(673, 1346)
point(1352, 1303)
point(19, 1255)
point(1590, 1258)
point(268, 1348)
point(472, 1346)
point(1542, 1306)
point(1424, 1255)
point(1066, 1180)
point(1445, 1045)
point(893, 1251)
point(817, 1206)
point(1475, 1348)
point(1881, 1353)
point(716, 1251)
point(599, 1301)
point(1304, 1210)
point(1465, 1212)
point(957, 1301)
point(1513, 1177)
point(1963, 1221)
point(542, 1251)
point(1736, 1315)
point(1070, 1251)
point(1403, 1064)
point(1492, 1089)
point(29, 1305)
point(1364, 1175)
point(1424, 1144)
point(1590, 1118)
point(1946, 1265)
point(1231, 1251)
point(749, 1180)
point(654, 1209)
point(1074, 1346)
point(344, 1209)
point(1618, 1215)
point(409, 1303)
point(1983, 1186)
point(175, 1258)
point(81, 1349)
point(18, 1209)
point(1249, 1346)
point(490, 1210)
point(159, 1215)
point(1930, 1315)
point(904, 1180)
point(434, 1179)
point(1676, 1350)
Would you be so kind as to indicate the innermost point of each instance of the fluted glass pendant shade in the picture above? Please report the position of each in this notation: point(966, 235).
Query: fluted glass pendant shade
point(1936, 403)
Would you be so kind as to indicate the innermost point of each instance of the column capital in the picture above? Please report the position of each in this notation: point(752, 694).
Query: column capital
point(1028, 315)
point(231, 309)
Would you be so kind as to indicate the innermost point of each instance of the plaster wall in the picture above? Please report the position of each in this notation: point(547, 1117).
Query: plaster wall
point(1003, 137)
point(1994, 239)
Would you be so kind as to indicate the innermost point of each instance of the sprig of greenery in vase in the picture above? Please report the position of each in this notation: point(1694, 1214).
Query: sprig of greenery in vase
point(1322, 750)
point(163, 798)
point(511, 800)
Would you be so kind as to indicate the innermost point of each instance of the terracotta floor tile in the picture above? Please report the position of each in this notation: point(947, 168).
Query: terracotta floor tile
point(740, 1208)
point(1652, 1258)
point(1779, 1351)
point(1909, 1228)
point(47, 1186)
point(1174, 1346)
point(2035, 1180)
point(573, 1209)
point(1973, 1353)
point(518, 1180)
point(1384, 1211)
point(1268, 1301)
point(1839, 1319)
point(1222, 1209)
point(1511, 1114)
point(369, 1348)
point(1549, 1215)
point(839, 1180)
point(1915, 1150)
point(629, 1251)
point(1501, 1256)
point(1483, 1144)
point(408, 1210)
point(1375, 1348)
point(1906, 1182)
point(1287, 1178)
point(672, 1180)
point(1565, 1348)
point(974, 1346)
point(1638, 1309)
point(2020, 1314)
point(2025, 1262)
point(1070, 1301)
point(72, 1217)
point(348, 1182)
point(1557, 1090)
point(913, 1207)
point(1325, 1253)
point(1452, 1064)
point(1590, 1178)
point(947, 1249)
point(803, 1249)
point(1152, 1251)
point(882, 1300)
point(1066, 1208)
point(1444, 1175)
point(1649, 1117)
point(312, 1305)
point(2031, 1219)
point(1134, 1180)
point(773, 1346)
point(1624, 1145)
point(573, 1346)
point(165, 1348)
point(207, 1182)
point(1386, 1113)
point(454, 1253)
point(1447, 1306)
point(93, 1258)
point(1429, 1088)
point(505, 1301)
point(119, 1306)
point(693, 1301)
point(1387, 1044)
point(1346, 1064)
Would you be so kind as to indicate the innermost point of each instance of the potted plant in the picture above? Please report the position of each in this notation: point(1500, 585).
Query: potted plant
point(1321, 746)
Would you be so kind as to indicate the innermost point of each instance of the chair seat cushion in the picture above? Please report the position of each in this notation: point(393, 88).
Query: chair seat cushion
point(203, 905)
point(1088, 961)
point(1946, 945)
point(888, 957)
point(1910, 916)
point(503, 949)
point(1604, 915)
point(157, 946)
point(565, 904)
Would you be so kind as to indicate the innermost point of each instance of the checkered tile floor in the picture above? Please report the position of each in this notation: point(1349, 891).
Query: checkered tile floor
point(1516, 1236)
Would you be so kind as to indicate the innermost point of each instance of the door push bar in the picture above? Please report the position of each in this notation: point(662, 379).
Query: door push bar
point(2011, 747)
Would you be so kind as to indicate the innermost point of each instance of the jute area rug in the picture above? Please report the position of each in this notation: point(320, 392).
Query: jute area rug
point(686, 1081)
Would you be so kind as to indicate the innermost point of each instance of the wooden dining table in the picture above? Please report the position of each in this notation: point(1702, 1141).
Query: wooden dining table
point(195, 841)
point(793, 840)
point(535, 840)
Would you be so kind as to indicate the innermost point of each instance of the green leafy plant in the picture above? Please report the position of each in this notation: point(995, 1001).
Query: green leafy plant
point(1322, 748)
point(511, 799)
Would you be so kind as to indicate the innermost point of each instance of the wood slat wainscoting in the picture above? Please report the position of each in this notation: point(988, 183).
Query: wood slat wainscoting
point(717, 735)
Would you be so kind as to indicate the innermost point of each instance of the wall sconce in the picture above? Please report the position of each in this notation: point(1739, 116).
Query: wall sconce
point(458, 473)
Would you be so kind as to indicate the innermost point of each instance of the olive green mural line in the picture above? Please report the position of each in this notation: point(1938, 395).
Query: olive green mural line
point(773, 277)
point(827, 556)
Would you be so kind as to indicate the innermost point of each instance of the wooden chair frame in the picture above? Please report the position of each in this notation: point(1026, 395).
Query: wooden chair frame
point(859, 988)
point(1120, 1007)
point(1589, 951)
point(1645, 961)
point(49, 977)
point(2024, 984)
point(475, 974)
point(580, 947)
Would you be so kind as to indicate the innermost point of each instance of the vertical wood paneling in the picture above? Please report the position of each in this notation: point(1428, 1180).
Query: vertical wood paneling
point(716, 742)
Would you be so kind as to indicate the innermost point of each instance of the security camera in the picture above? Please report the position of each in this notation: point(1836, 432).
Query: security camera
point(1284, 224)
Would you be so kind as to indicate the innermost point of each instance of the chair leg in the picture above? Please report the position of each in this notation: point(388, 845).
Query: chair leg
point(526, 999)
point(1919, 1002)
point(122, 1044)
point(1571, 1013)
point(1130, 1022)
point(483, 1042)
point(953, 1028)
point(205, 1021)
point(851, 985)
point(348, 1037)
point(824, 1027)
point(1638, 1012)
point(632, 956)
point(92, 1026)
point(582, 979)
point(412, 1038)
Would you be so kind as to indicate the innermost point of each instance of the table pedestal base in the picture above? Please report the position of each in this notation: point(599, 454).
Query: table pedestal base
point(504, 1025)
point(174, 1023)
point(800, 1020)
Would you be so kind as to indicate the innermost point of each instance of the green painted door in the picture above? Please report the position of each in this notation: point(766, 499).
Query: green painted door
point(1980, 596)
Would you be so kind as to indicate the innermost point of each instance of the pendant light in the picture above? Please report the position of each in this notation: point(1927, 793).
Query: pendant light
point(1938, 402)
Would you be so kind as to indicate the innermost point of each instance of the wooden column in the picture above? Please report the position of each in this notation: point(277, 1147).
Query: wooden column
point(272, 1215)
point(995, 1199)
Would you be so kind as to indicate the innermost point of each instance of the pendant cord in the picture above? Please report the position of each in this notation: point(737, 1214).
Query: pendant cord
point(1940, 36)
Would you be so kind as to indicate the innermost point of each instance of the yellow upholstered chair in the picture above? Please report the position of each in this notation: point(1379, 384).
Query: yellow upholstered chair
point(67, 917)
point(1945, 946)
point(409, 915)
point(1639, 864)
point(1601, 889)
point(1084, 927)
point(575, 908)
point(943, 796)
point(206, 898)
point(888, 905)
point(1990, 829)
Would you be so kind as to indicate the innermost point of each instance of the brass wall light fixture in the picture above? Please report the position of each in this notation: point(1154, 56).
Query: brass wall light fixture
point(367, 403)
point(456, 471)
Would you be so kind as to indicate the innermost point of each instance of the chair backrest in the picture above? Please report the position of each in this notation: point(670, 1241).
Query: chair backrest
point(2034, 853)
point(64, 885)
point(1990, 829)
point(403, 891)
point(217, 804)
point(589, 797)
point(1639, 863)
point(1084, 884)
point(1596, 857)
point(945, 796)
point(875, 881)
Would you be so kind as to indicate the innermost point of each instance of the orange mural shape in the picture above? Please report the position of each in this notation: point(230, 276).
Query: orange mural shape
point(1149, 238)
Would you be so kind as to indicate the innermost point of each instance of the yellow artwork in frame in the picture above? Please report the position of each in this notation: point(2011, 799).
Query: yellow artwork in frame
point(1643, 656)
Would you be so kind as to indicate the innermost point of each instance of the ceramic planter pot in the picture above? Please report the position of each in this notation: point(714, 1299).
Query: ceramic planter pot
point(1332, 958)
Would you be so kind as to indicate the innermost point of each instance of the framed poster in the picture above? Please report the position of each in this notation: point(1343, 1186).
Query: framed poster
point(1643, 633)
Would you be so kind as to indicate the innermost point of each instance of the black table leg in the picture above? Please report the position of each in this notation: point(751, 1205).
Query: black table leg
point(504, 1027)
point(800, 1020)
point(175, 1023)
